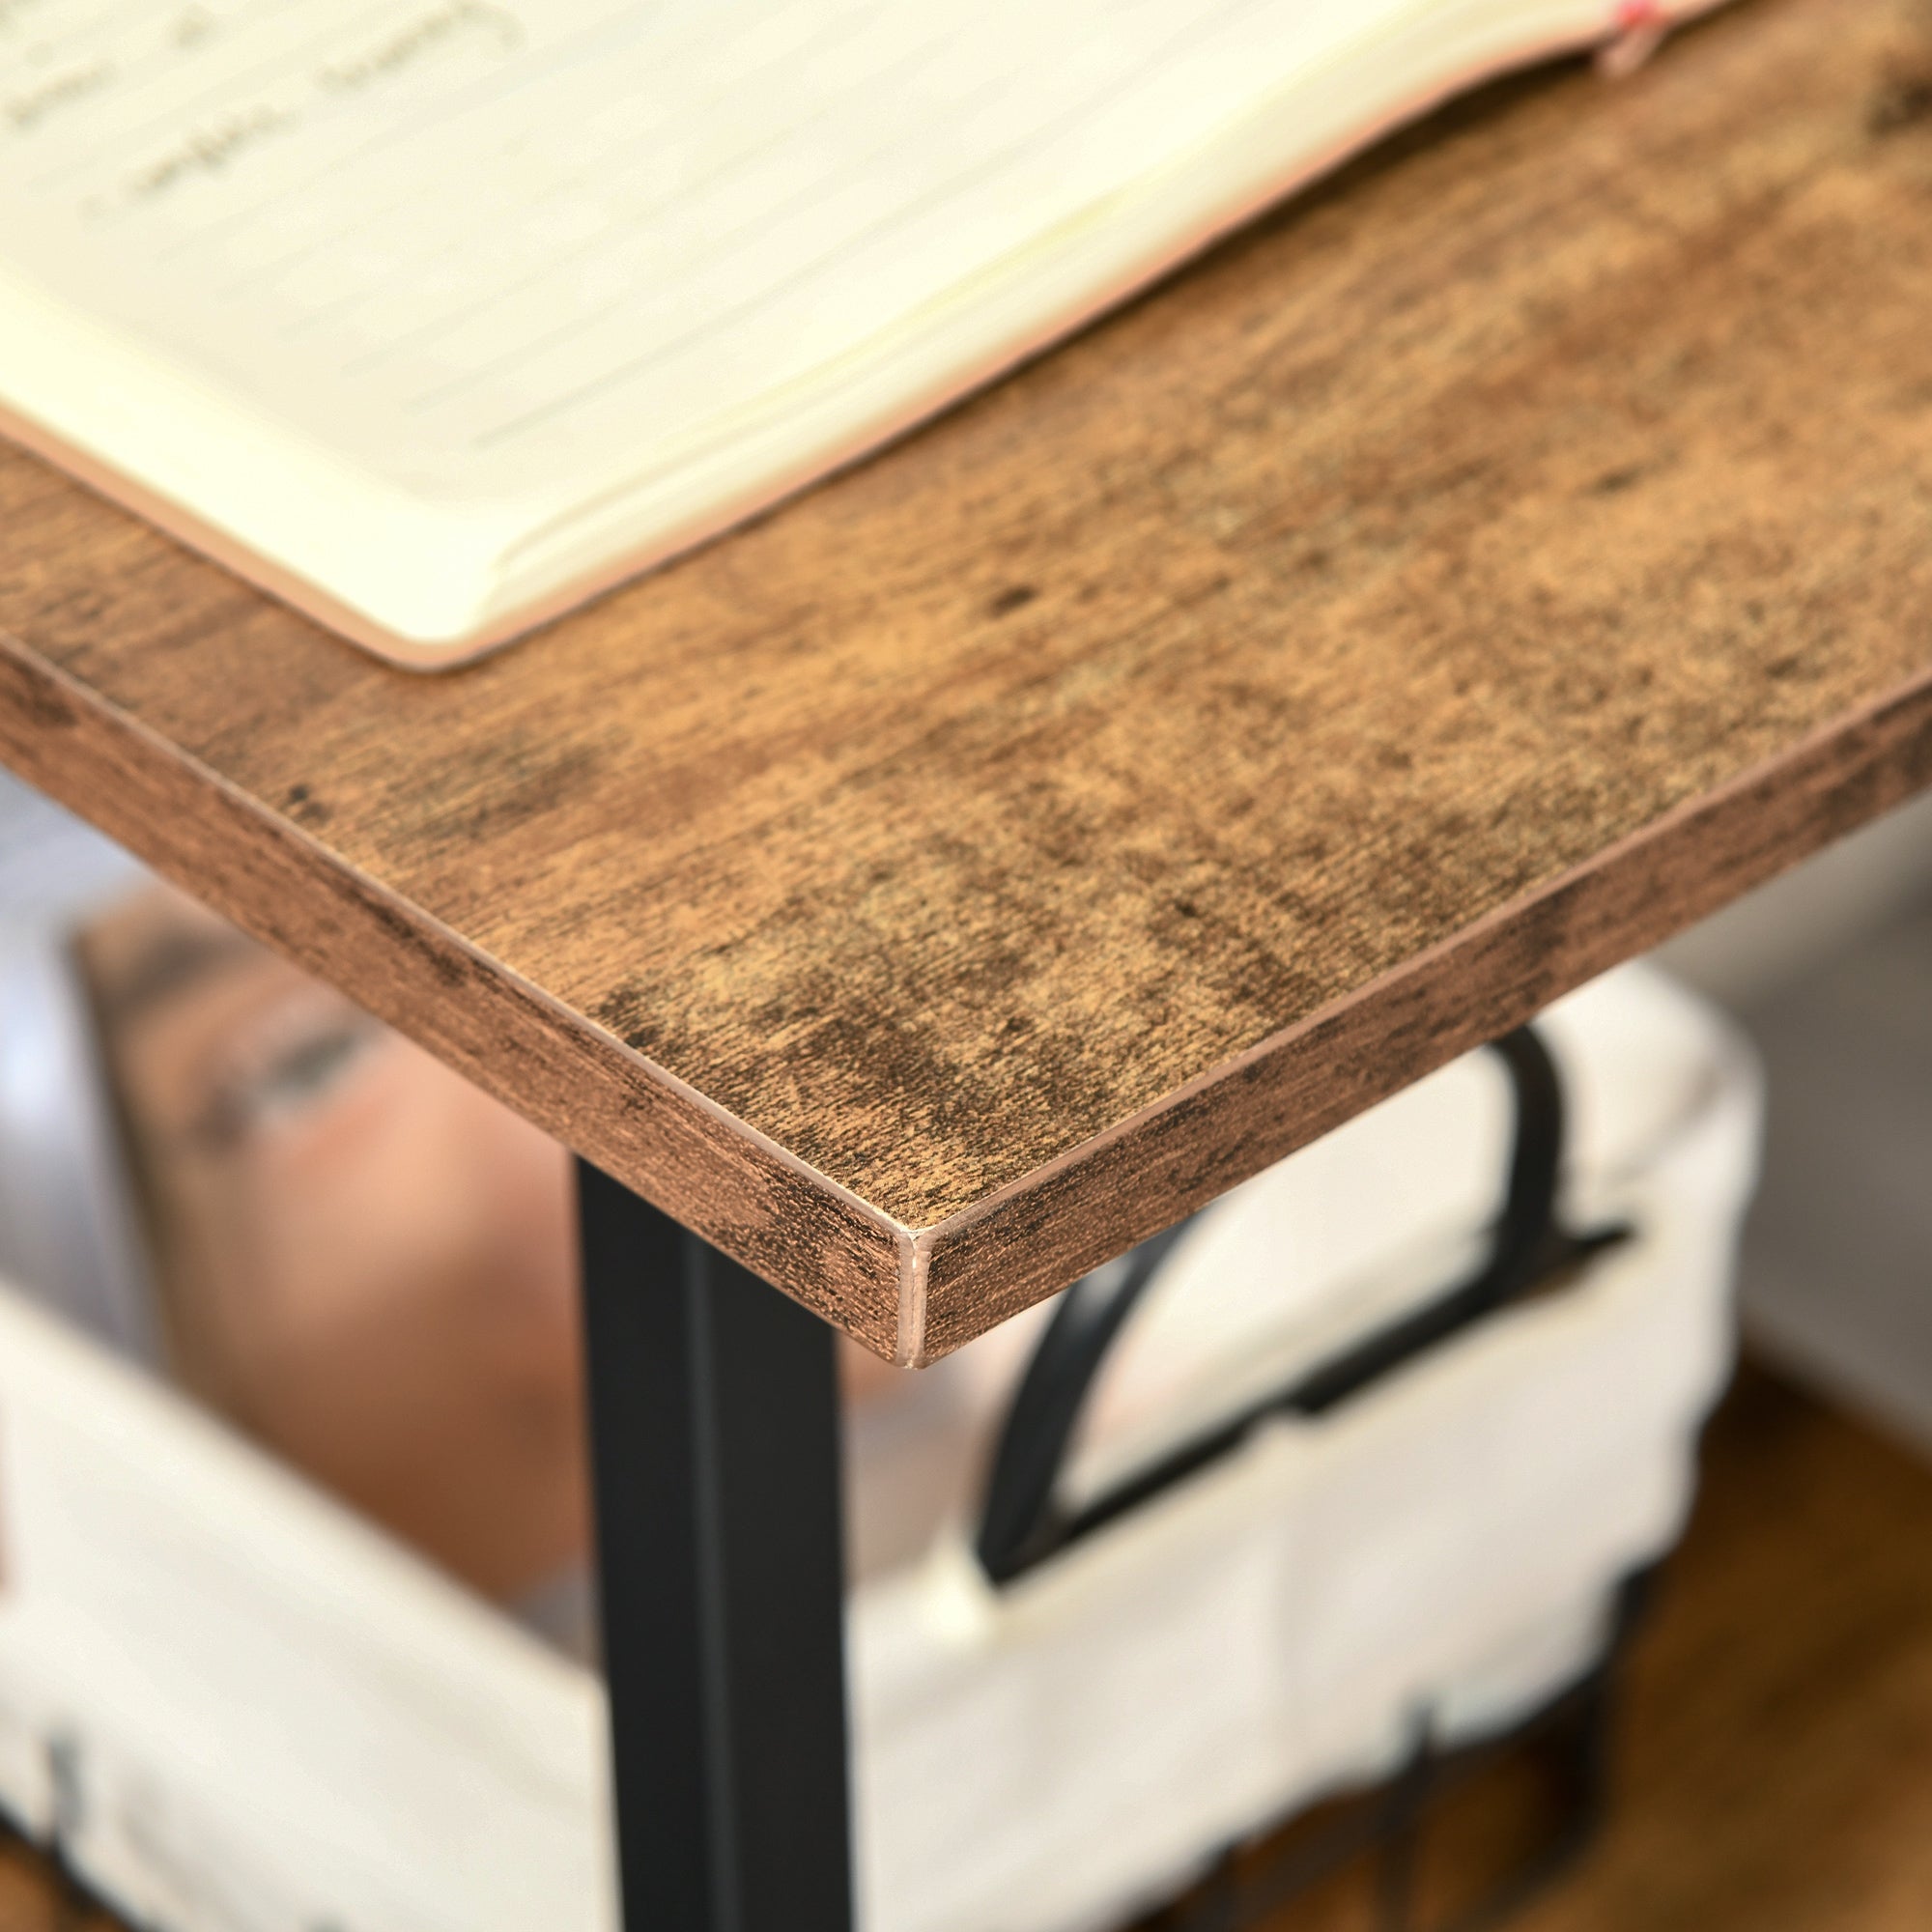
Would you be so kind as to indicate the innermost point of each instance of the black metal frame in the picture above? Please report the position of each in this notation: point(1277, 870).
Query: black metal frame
point(714, 1435)
point(714, 1407)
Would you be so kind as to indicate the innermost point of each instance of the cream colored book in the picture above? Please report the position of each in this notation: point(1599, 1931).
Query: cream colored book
point(438, 316)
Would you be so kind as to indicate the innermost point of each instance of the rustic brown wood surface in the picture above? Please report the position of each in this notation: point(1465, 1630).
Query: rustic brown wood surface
point(1449, 587)
point(1777, 1768)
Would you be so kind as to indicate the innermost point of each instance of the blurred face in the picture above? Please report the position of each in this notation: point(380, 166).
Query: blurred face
point(366, 1263)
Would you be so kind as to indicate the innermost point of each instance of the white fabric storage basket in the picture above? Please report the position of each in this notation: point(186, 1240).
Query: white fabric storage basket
point(1048, 1756)
point(268, 1718)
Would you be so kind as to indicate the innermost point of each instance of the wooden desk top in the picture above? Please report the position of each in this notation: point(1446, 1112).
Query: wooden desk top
point(1449, 589)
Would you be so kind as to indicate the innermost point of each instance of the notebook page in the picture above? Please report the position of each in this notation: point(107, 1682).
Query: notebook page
point(516, 259)
point(454, 233)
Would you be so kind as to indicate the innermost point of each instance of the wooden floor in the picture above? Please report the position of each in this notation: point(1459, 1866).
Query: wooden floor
point(1778, 1770)
point(1776, 1774)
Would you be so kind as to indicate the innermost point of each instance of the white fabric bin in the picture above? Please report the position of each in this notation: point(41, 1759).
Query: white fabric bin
point(269, 1718)
point(1049, 1756)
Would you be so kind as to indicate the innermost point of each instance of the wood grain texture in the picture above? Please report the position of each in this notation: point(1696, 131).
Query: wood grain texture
point(1449, 587)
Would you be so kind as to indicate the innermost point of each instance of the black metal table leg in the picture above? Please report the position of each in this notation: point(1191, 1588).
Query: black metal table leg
point(715, 1434)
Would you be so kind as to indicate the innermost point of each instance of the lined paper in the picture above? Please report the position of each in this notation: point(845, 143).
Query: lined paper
point(471, 230)
point(557, 280)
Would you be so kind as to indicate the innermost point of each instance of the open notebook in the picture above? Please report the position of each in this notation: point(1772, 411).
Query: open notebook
point(435, 315)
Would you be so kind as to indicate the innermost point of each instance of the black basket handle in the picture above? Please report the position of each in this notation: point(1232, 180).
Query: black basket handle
point(1021, 1520)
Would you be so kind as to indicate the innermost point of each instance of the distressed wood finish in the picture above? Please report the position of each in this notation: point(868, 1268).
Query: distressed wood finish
point(1448, 588)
